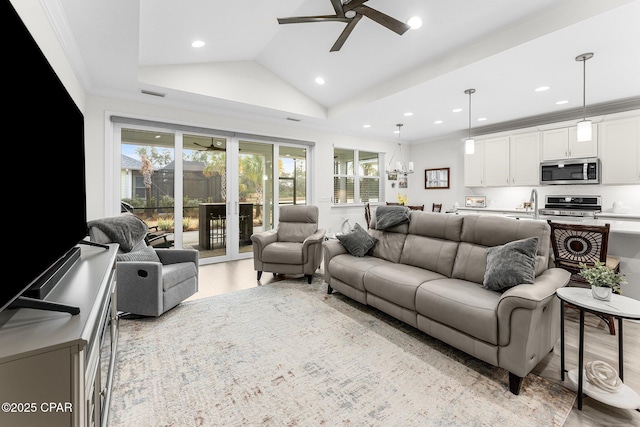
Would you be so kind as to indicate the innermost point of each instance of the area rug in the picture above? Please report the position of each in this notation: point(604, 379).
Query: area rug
point(288, 354)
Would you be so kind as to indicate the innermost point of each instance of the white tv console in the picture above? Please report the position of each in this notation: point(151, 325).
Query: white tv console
point(56, 369)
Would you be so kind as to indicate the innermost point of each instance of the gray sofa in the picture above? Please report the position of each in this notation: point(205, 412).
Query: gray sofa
point(430, 273)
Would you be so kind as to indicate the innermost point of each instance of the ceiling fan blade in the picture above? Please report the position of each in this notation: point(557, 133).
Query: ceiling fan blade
point(337, 6)
point(304, 19)
point(393, 24)
point(345, 33)
point(203, 146)
point(353, 4)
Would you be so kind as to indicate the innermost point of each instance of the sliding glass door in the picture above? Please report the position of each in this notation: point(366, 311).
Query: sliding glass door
point(224, 189)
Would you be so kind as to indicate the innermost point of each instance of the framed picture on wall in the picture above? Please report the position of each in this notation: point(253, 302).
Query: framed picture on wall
point(436, 178)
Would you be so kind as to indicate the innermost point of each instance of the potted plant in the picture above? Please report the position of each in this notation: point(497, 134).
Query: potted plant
point(602, 279)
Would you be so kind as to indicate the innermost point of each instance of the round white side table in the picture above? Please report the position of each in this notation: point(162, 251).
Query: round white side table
point(620, 307)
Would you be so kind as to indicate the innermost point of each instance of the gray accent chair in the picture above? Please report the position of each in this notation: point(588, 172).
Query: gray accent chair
point(294, 247)
point(146, 285)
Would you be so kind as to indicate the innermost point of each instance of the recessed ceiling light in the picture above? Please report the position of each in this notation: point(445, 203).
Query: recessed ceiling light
point(564, 101)
point(415, 22)
point(482, 119)
point(542, 88)
point(437, 122)
point(320, 80)
point(408, 114)
point(366, 126)
point(456, 110)
point(197, 43)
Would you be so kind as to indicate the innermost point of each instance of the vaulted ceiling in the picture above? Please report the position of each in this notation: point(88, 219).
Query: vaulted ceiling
point(251, 66)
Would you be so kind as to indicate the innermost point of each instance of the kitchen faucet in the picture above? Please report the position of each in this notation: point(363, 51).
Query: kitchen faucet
point(534, 199)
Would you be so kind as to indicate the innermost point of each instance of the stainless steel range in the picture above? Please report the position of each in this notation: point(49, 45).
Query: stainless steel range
point(580, 206)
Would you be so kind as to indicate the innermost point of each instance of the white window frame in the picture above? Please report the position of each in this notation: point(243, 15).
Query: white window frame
point(357, 176)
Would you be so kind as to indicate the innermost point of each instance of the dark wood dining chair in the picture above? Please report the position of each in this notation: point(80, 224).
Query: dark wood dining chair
point(577, 243)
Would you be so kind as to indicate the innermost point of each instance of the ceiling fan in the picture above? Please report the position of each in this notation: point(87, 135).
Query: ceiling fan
point(212, 147)
point(350, 12)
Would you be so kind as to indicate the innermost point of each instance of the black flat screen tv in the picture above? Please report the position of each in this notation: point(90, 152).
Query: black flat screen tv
point(45, 204)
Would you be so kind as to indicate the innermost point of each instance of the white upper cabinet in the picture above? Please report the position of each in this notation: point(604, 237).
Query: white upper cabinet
point(558, 144)
point(524, 159)
point(502, 161)
point(496, 162)
point(620, 141)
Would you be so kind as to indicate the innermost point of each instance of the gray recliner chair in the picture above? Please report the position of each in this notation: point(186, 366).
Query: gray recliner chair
point(150, 281)
point(294, 247)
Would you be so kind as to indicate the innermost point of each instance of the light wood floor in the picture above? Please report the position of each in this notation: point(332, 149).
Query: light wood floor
point(216, 279)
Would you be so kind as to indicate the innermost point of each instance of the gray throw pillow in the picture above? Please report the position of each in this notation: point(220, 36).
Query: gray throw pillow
point(511, 264)
point(390, 216)
point(357, 242)
point(146, 254)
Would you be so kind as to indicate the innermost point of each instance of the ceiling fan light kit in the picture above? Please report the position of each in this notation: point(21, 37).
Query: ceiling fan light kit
point(350, 12)
point(583, 127)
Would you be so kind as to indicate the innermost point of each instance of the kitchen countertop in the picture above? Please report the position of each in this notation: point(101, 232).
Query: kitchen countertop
point(619, 223)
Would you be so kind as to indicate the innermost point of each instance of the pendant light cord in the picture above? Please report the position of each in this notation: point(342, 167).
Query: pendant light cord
point(584, 89)
point(470, 114)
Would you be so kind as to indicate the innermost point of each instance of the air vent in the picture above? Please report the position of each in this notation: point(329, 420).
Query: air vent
point(148, 92)
point(292, 119)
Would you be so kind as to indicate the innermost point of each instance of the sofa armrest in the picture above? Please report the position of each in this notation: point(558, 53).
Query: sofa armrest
point(529, 296)
point(139, 287)
point(331, 248)
point(174, 256)
point(533, 298)
point(261, 240)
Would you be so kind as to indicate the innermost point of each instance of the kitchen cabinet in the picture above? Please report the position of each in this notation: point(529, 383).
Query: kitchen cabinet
point(562, 143)
point(496, 162)
point(504, 160)
point(524, 159)
point(620, 151)
point(474, 166)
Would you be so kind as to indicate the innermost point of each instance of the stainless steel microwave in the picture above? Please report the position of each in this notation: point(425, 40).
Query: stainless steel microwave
point(570, 171)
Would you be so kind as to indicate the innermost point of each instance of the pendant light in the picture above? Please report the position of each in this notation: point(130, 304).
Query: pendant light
point(584, 126)
point(400, 167)
point(469, 143)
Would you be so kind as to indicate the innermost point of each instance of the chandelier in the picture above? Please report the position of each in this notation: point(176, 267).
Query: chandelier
point(399, 167)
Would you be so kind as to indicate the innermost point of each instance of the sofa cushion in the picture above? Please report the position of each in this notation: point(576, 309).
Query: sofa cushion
point(511, 264)
point(397, 283)
point(390, 243)
point(429, 253)
point(282, 253)
point(461, 305)
point(470, 263)
point(145, 254)
point(429, 224)
point(390, 216)
point(174, 274)
point(351, 270)
point(357, 242)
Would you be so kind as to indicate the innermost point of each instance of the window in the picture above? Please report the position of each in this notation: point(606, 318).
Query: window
point(352, 184)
